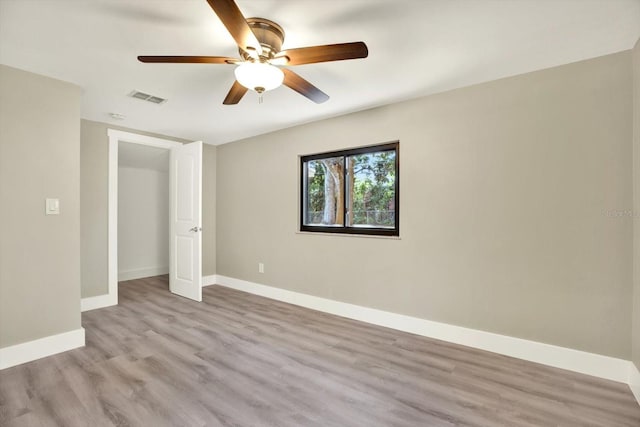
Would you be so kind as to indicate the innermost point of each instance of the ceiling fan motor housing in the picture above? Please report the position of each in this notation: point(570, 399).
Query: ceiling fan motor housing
point(269, 34)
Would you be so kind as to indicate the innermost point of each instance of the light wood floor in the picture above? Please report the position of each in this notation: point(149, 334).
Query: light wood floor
point(242, 360)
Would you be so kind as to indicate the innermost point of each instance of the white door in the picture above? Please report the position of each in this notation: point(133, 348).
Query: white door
point(185, 271)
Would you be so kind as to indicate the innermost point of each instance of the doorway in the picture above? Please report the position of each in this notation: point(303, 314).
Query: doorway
point(143, 211)
point(185, 183)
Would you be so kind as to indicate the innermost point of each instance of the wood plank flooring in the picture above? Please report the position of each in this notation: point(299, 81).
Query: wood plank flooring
point(241, 360)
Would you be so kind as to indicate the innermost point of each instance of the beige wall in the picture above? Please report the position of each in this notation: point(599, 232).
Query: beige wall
point(510, 193)
point(635, 338)
point(39, 254)
point(94, 170)
point(94, 211)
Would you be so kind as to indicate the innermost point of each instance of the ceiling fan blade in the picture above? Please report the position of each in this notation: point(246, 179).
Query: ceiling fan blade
point(325, 53)
point(188, 59)
point(303, 87)
point(235, 94)
point(233, 20)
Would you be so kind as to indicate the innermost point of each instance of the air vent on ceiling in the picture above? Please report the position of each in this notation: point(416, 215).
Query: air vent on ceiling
point(146, 97)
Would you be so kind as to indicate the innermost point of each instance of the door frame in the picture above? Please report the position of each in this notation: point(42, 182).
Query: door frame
point(115, 138)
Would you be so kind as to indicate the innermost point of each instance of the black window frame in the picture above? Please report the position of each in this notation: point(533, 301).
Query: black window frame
point(344, 229)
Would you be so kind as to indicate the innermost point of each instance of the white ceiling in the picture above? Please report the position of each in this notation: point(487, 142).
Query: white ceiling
point(416, 47)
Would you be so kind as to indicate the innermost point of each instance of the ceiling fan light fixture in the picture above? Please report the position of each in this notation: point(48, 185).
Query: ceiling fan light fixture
point(259, 76)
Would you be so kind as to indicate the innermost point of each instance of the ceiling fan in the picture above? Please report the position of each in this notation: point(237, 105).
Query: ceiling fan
point(259, 68)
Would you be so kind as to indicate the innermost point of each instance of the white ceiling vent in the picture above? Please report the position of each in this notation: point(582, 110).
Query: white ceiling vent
point(146, 97)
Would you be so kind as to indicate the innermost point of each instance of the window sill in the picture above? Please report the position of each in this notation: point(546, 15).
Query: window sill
point(365, 236)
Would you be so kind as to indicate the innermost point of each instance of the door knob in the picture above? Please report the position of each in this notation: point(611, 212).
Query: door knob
point(195, 229)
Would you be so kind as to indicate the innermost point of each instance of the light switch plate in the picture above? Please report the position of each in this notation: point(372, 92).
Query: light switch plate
point(52, 207)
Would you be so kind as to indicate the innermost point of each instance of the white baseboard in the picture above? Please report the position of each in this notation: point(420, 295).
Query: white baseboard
point(209, 280)
point(100, 301)
point(634, 381)
point(560, 357)
point(43, 347)
point(140, 273)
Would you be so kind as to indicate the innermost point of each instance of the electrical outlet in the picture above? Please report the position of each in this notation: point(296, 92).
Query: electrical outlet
point(260, 267)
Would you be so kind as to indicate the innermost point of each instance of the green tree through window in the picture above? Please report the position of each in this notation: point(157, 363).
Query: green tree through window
point(351, 191)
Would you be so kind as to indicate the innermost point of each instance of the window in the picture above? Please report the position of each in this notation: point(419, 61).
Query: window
point(352, 191)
